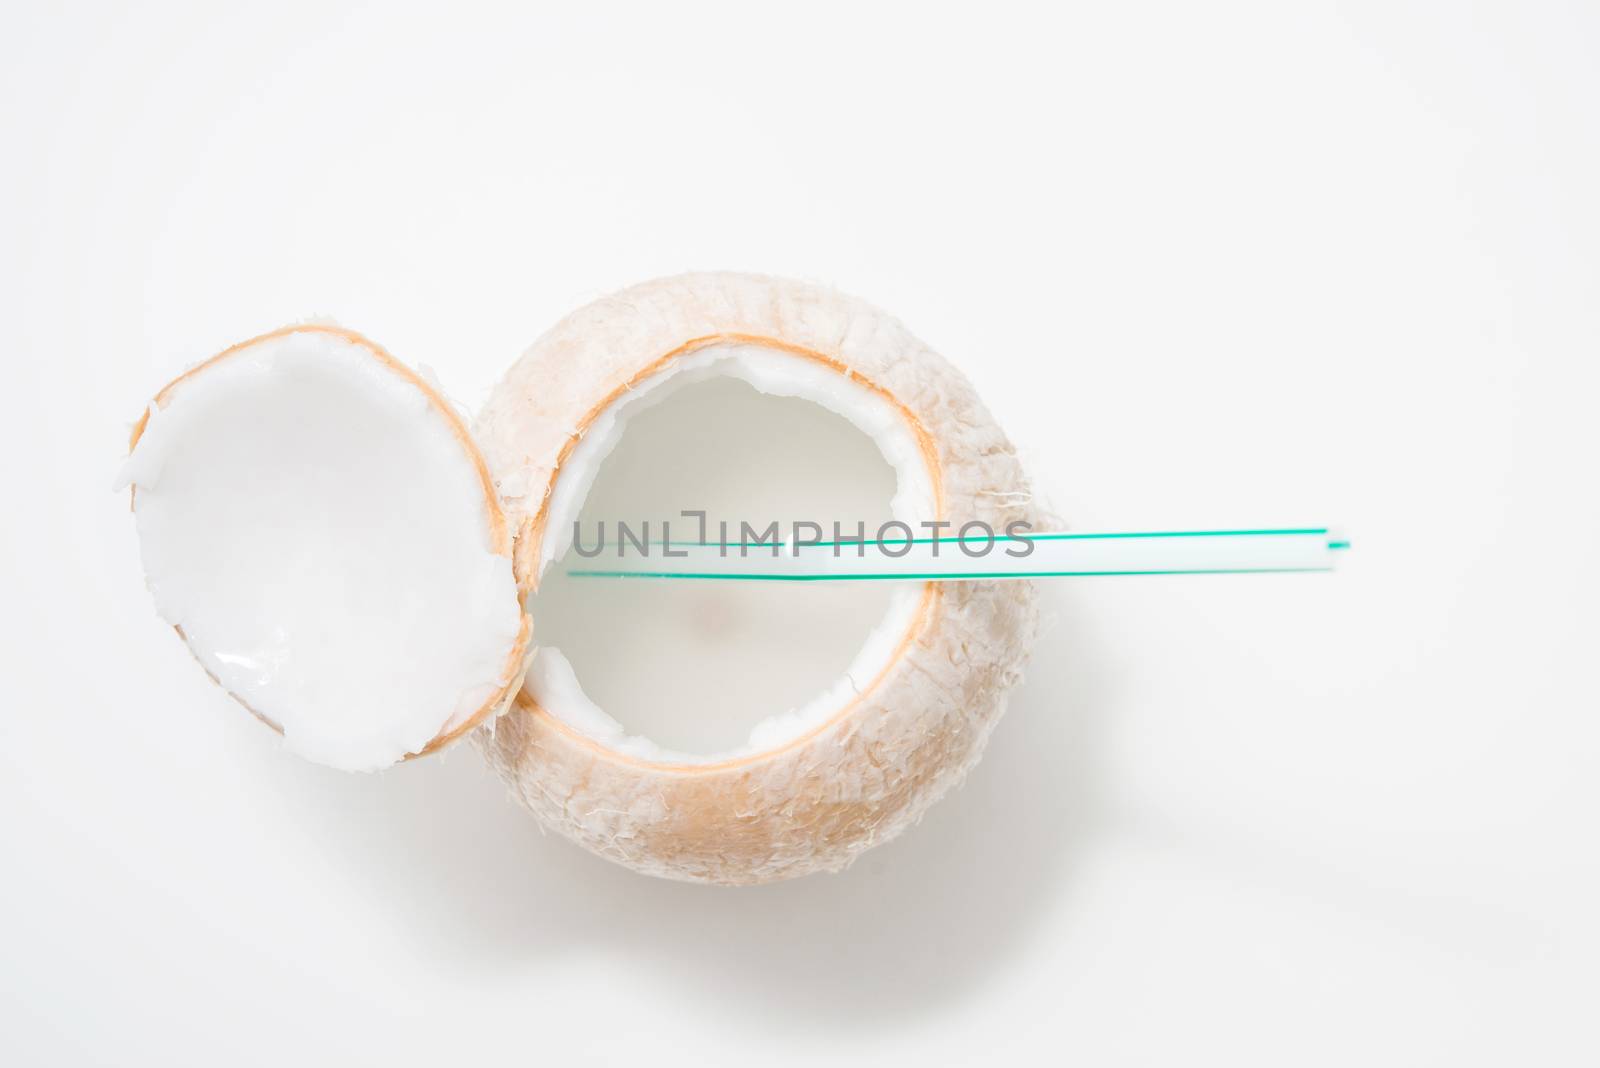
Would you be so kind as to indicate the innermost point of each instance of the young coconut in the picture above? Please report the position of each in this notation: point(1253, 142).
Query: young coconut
point(316, 523)
point(818, 783)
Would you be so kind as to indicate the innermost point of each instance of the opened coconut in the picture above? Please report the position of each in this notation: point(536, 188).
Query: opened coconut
point(361, 573)
point(816, 782)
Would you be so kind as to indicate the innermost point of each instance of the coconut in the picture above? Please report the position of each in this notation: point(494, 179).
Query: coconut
point(818, 781)
point(316, 523)
point(363, 574)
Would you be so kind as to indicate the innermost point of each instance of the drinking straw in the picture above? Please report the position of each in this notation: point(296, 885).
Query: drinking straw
point(977, 556)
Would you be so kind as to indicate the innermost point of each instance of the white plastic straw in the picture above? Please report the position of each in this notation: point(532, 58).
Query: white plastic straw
point(1058, 555)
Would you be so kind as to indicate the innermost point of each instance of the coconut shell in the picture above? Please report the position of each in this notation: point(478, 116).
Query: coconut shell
point(497, 531)
point(872, 769)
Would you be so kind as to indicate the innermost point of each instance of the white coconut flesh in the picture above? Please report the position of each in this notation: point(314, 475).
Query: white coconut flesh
point(699, 672)
point(315, 522)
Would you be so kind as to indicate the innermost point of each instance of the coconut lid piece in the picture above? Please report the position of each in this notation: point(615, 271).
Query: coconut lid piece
point(317, 524)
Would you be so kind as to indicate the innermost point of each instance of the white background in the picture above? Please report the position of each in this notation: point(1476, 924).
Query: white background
point(1272, 264)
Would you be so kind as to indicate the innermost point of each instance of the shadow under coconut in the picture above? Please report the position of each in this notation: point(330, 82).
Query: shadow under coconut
point(912, 924)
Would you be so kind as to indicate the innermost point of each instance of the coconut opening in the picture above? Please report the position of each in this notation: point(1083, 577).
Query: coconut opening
point(316, 523)
point(688, 671)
